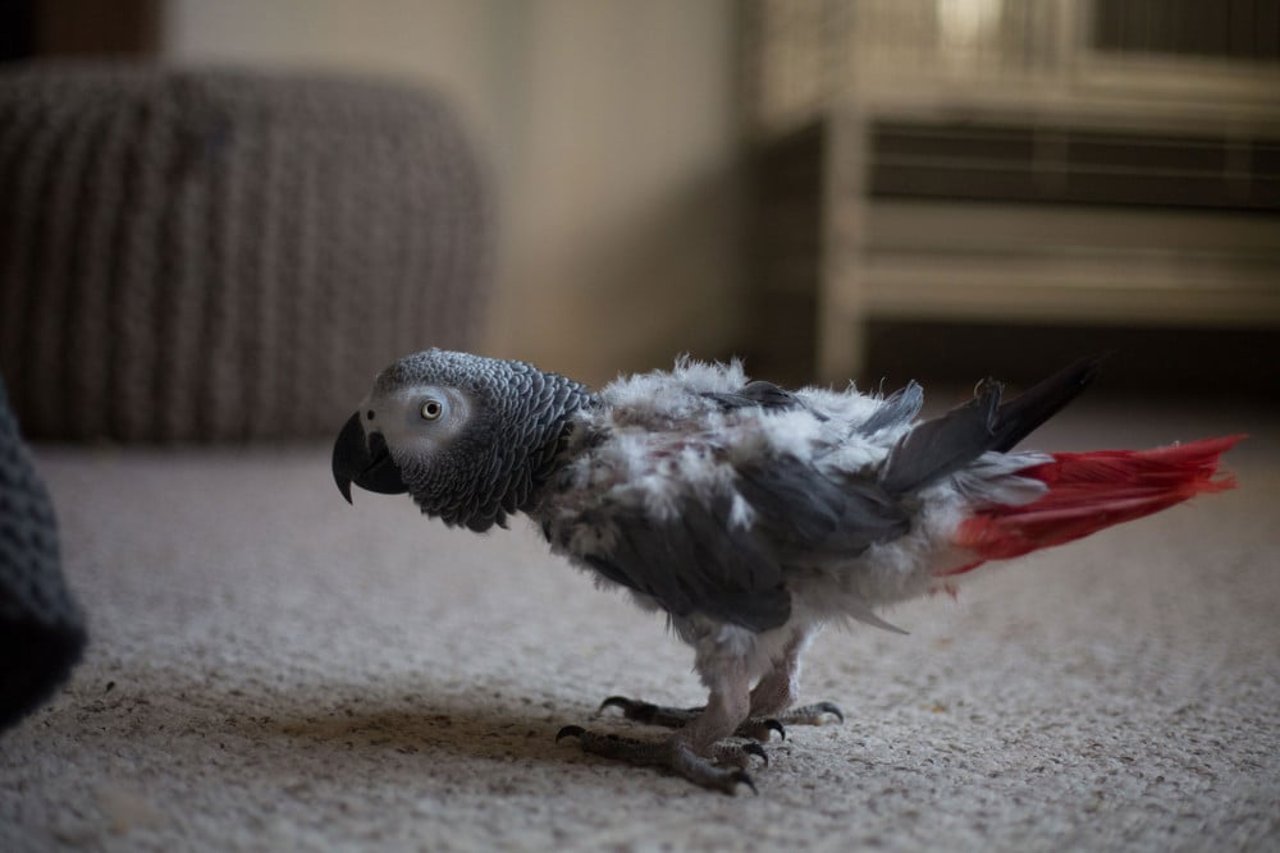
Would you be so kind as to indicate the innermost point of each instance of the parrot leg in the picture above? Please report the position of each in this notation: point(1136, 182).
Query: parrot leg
point(771, 702)
point(778, 690)
point(696, 747)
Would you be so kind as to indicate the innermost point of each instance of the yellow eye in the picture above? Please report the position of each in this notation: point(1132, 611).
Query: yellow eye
point(431, 410)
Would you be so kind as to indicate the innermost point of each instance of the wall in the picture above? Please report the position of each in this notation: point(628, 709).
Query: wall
point(611, 131)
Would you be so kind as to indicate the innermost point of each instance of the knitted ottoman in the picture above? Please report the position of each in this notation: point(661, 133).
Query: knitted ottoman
point(223, 255)
point(41, 628)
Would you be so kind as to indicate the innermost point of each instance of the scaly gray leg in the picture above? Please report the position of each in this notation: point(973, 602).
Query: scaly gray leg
point(771, 702)
point(694, 748)
point(774, 695)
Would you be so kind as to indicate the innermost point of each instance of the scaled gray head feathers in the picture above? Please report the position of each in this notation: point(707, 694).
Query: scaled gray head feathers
point(494, 430)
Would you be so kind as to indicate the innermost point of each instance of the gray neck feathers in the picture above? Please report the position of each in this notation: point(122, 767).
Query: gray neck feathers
point(497, 466)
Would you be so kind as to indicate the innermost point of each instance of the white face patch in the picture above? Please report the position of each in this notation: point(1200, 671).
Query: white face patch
point(417, 421)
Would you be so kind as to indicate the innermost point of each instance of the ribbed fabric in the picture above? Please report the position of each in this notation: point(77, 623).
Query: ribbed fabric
point(219, 255)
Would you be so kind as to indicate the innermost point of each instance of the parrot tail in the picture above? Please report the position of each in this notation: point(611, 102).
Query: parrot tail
point(1090, 491)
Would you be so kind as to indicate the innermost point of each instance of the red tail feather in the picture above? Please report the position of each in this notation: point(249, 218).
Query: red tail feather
point(1090, 491)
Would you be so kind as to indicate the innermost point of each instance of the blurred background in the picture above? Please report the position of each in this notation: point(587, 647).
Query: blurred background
point(219, 219)
point(879, 189)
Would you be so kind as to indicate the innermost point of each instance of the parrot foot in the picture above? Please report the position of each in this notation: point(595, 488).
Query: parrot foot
point(740, 754)
point(756, 728)
point(674, 755)
point(651, 714)
point(811, 715)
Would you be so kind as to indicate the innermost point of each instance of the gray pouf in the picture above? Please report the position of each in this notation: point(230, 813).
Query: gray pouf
point(41, 627)
point(219, 255)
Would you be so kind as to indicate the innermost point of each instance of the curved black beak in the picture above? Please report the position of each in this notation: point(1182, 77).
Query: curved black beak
point(367, 464)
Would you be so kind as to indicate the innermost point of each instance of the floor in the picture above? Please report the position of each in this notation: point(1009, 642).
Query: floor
point(272, 669)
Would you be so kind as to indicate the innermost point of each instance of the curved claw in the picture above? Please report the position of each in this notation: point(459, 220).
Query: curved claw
point(616, 702)
point(777, 727)
point(753, 748)
point(833, 709)
point(570, 731)
point(744, 778)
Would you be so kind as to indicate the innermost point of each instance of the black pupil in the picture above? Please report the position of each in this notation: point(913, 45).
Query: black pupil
point(433, 409)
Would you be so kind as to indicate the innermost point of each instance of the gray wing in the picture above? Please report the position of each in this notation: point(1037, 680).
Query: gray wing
point(696, 562)
point(807, 517)
point(699, 562)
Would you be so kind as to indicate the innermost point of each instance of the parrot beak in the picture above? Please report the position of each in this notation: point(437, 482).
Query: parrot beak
point(368, 464)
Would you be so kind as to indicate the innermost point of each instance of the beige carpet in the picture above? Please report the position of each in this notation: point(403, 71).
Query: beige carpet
point(271, 669)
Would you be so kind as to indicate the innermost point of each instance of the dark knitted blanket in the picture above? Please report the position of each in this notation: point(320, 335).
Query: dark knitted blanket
point(41, 628)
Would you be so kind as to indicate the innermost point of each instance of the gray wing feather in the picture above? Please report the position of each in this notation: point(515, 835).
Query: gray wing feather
point(763, 394)
point(696, 562)
point(900, 407)
point(806, 516)
point(756, 393)
point(944, 445)
point(1017, 418)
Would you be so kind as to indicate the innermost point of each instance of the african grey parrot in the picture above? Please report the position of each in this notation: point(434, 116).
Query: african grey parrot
point(751, 515)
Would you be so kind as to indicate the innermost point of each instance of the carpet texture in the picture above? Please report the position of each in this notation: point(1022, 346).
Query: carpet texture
point(272, 669)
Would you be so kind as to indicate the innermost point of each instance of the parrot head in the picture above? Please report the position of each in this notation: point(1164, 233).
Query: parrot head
point(469, 438)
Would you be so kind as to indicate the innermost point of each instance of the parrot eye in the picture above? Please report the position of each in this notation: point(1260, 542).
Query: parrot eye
point(431, 410)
